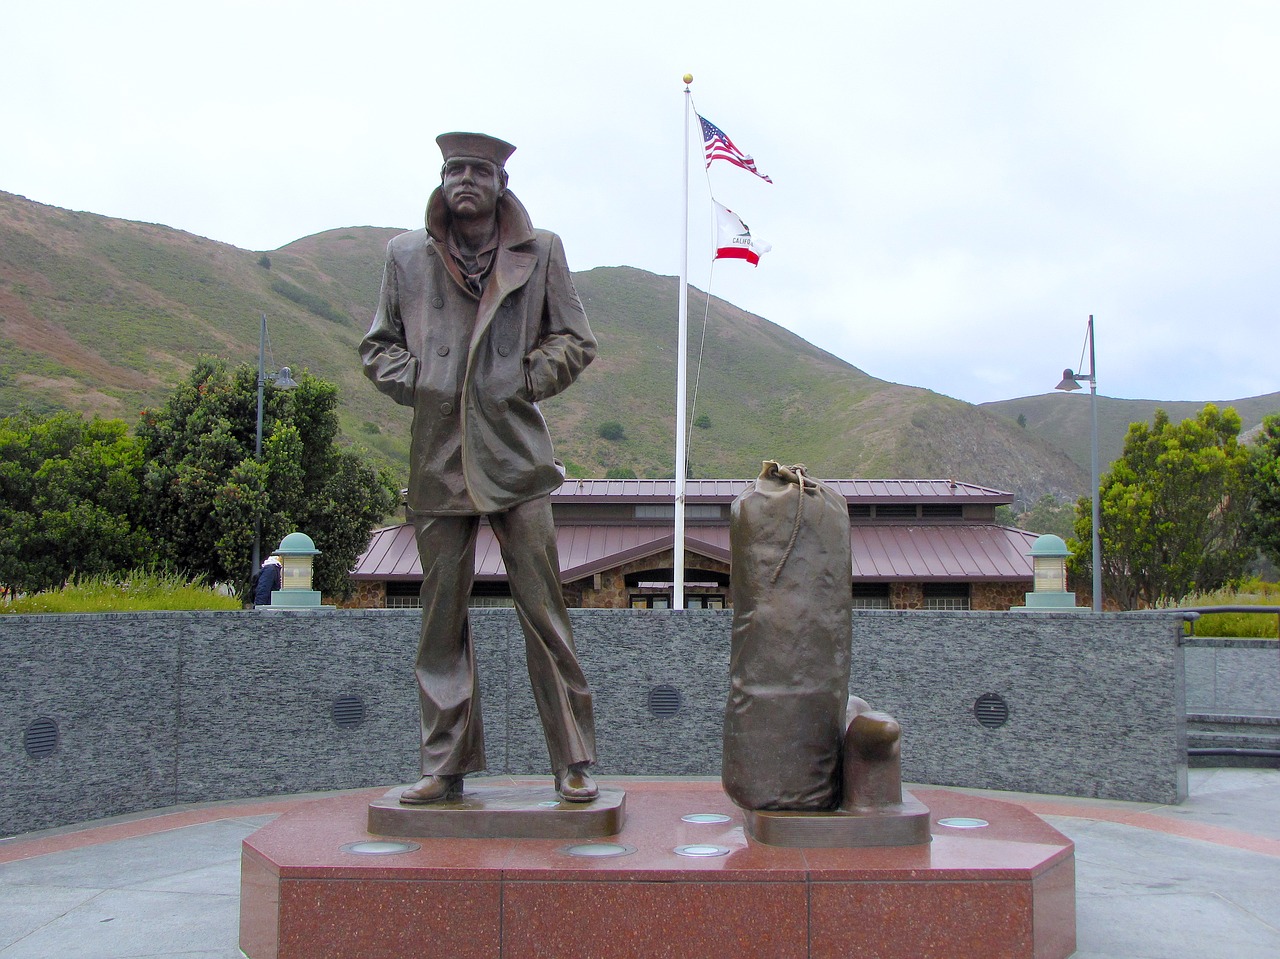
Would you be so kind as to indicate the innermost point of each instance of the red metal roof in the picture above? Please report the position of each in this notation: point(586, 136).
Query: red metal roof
point(958, 551)
point(961, 551)
point(583, 549)
point(726, 490)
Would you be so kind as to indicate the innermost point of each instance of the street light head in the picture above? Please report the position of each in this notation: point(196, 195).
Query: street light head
point(282, 380)
point(1069, 382)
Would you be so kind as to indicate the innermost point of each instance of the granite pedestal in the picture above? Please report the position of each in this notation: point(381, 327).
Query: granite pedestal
point(1004, 889)
point(500, 812)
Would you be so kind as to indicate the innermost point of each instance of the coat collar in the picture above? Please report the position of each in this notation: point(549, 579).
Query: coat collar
point(514, 225)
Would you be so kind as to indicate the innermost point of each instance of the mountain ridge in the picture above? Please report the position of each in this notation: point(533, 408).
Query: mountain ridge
point(106, 315)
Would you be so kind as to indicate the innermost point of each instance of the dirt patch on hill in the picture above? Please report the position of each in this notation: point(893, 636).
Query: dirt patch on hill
point(27, 332)
point(74, 395)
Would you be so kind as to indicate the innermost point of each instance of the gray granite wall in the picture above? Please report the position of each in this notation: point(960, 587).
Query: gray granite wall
point(1095, 700)
point(160, 708)
point(1234, 677)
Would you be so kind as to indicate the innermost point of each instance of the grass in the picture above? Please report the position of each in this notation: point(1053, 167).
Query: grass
point(1253, 592)
point(138, 591)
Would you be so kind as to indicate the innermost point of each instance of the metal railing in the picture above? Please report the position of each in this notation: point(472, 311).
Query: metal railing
point(1204, 610)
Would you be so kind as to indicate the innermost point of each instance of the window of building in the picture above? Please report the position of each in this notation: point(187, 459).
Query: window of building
point(870, 595)
point(402, 595)
point(703, 601)
point(491, 601)
point(668, 511)
point(946, 596)
point(942, 511)
point(662, 600)
point(650, 601)
point(405, 595)
point(490, 594)
point(859, 510)
point(896, 511)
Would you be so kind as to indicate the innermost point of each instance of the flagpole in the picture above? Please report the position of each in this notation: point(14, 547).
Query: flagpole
point(682, 372)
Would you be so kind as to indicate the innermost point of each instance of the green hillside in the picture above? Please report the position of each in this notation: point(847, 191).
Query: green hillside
point(104, 315)
point(1063, 419)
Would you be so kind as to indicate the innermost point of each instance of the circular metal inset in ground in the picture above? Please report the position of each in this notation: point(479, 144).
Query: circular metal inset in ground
point(380, 847)
point(40, 738)
point(705, 817)
point(599, 850)
point(963, 822)
point(701, 851)
point(991, 710)
point(664, 701)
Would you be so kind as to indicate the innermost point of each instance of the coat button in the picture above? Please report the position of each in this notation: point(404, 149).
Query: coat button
point(506, 304)
point(503, 350)
point(446, 409)
point(437, 302)
point(502, 406)
point(442, 350)
point(431, 251)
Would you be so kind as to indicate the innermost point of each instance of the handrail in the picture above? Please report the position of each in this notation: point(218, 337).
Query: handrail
point(1202, 610)
point(1230, 609)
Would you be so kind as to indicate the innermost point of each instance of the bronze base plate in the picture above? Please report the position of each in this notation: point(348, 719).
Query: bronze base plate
point(904, 824)
point(501, 812)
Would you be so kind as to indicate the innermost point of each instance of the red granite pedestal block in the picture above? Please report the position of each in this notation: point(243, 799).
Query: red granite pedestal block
point(625, 920)
point(1006, 889)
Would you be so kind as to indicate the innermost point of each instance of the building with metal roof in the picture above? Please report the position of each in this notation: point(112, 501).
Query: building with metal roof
point(917, 544)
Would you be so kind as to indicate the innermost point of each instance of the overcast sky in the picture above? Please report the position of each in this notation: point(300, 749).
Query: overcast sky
point(957, 186)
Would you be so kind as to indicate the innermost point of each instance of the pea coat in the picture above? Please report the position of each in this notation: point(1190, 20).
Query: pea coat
point(474, 368)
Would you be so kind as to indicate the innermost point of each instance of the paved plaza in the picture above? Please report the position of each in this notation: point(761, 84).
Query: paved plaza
point(1194, 881)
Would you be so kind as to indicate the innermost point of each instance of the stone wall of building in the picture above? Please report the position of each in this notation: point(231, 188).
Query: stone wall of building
point(906, 596)
point(369, 594)
point(152, 709)
point(999, 595)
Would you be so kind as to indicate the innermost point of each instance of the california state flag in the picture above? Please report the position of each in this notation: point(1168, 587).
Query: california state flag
point(733, 239)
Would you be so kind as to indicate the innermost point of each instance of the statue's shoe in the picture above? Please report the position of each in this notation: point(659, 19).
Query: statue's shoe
point(431, 789)
point(577, 785)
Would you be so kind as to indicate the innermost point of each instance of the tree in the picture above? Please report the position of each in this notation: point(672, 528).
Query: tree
point(1264, 485)
point(1049, 516)
point(1173, 511)
point(70, 500)
point(204, 489)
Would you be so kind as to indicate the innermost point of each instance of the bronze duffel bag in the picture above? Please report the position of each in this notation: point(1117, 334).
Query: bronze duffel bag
point(789, 666)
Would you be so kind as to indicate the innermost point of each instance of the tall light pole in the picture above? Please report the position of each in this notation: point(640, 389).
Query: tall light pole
point(283, 381)
point(1071, 381)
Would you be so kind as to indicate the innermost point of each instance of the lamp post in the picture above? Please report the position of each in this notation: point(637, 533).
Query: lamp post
point(1071, 381)
point(283, 381)
point(1049, 586)
point(297, 552)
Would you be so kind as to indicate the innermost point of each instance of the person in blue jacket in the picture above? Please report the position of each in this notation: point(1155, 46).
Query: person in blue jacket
point(268, 580)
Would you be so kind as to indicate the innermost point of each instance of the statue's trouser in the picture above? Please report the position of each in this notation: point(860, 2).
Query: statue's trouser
point(448, 693)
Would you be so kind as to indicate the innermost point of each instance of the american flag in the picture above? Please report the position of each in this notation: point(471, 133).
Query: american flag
point(717, 146)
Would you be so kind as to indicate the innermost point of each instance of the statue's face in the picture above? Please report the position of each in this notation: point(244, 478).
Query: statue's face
point(471, 187)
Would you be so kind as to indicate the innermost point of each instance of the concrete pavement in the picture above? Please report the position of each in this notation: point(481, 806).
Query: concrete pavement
point(1195, 881)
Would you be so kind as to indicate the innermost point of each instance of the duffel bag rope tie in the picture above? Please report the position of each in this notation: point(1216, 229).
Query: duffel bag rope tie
point(799, 476)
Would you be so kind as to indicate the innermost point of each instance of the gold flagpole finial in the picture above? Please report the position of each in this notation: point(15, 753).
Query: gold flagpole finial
point(688, 79)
